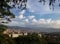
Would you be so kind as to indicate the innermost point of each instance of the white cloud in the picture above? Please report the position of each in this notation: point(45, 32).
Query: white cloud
point(13, 23)
point(16, 23)
point(31, 17)
point(30, 8)
point(56, 24)
point(26, 20)
point(34, 20)
point(44, 21)
point(41, 23)
point(21, 14)
point(39, 8)
point(48, 23)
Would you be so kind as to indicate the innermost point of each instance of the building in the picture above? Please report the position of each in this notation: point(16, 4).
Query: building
point(14, 33)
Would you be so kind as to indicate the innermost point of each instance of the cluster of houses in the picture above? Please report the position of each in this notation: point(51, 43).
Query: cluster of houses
point(17, 33)
point(14, 33)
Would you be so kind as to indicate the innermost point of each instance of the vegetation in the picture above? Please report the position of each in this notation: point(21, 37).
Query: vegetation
point(2, 28)
point(5, 39)
point(35, 39)
point(30, 39)
point(5, 14)
point(52, 3)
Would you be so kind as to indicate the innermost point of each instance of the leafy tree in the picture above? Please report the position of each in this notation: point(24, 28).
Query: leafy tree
point(29, 39)
point(51, 3)
point(2, 28)
point(5, 39)
point(5, 11)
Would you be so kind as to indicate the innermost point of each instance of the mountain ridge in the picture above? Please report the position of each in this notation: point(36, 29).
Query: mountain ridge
point(40, 29)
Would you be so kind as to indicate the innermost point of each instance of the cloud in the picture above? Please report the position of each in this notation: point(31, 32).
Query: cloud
point(16, 23)
point(21, 14)
point(57, 24)
point(30, 8)
point(47, 23)
point(34, 20)
point(31, 17)
point(43, 21)
point(26, 20)
point(38, 8)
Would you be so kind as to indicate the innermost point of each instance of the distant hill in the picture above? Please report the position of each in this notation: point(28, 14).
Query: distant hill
point(40, 29)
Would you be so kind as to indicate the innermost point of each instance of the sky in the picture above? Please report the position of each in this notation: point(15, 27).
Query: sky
point(36, 15)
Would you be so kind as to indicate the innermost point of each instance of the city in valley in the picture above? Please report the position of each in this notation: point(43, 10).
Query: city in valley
point(17, 33)
point(29, 21)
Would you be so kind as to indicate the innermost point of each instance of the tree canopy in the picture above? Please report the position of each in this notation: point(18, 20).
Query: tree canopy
point(5, 39)
point(5, 13)
point(51, 3)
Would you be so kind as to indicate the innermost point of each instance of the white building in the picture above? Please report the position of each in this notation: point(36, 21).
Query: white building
point(40, 35)
point(17, 35)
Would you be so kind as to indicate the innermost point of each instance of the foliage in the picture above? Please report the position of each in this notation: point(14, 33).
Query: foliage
point(5, 39)
point(5, 13)
point(2, 28)
point(29, 39)
point(5, 10)
point(51, 3)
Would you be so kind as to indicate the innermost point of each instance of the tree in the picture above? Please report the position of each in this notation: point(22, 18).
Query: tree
point(24, 2)
point(5, 11)
point(30, 39)
point(27, 40)
point(5, 39)
point(51, 3)
point(2, 28)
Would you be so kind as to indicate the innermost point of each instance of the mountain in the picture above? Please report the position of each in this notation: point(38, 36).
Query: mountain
point(40, 29)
